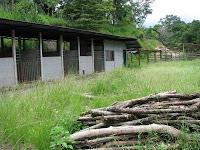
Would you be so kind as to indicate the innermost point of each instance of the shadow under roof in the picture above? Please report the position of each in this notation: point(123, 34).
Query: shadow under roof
point(31, 30)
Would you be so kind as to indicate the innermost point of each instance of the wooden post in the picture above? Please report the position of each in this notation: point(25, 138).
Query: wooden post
point(171, 56)
point(160, 55)
point(131, 58)
point(165, 55)
point(24, 44)
point(139, 55)
point(126, 58)
point(14, 55)
point(154, 56)
point(147, 57)
point(61, 54)
point(183, 51)
point(20, 48)
point(41, 55)
point(79, 52)
point(92, 51)
point(2, 45)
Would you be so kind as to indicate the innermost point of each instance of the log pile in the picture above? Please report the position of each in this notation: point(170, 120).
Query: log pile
point(122, 124)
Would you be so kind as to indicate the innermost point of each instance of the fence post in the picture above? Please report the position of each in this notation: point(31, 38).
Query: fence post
point(165, 55)
point(160, 55)
point(139, 57)
point(92, 50)
point(147, 57)
point(154, 56)
point(79, 53)
point(183, 51)
point(171, 56)
point(131, 58)
point(61, 54)
point(41, 55)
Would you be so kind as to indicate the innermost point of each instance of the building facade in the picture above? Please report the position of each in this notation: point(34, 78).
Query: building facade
point(72, 51)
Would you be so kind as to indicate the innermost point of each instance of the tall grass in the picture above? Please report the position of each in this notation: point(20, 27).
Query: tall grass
point(28, 112)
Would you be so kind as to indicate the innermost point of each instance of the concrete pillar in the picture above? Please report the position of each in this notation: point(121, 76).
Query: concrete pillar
point(61, 54)
point(92, 51)
point(41, 55)
point(79, 53)
point(14, 55)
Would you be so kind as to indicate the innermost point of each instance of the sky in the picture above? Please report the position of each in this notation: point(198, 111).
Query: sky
point(188, 10)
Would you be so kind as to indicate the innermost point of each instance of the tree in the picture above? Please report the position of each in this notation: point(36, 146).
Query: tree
point(87, 14)
point(48, 6)
point(131, 11)
point(170, 30)
point(140, 10)
point(169, 20)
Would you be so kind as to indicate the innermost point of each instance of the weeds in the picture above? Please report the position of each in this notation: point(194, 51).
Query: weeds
point(28, 113)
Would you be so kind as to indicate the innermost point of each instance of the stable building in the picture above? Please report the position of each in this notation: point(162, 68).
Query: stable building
point(30, 52)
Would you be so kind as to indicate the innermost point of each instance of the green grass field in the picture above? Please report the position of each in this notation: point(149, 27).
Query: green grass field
point(28, 112)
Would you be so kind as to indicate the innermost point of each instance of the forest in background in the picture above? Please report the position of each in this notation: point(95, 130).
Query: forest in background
point(173, 32)
point(117, 17)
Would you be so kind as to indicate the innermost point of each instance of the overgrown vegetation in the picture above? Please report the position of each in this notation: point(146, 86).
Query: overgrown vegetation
point(121, 17)
point(29, 112)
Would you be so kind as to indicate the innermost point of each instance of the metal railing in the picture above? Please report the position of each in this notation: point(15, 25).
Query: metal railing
point(28, 71)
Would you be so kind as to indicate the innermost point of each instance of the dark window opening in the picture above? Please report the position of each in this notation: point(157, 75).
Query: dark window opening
point(110, 56)
point(98, 45)
point(73, 45)
point(51, 48)
point(86, 48)
point(5, 47)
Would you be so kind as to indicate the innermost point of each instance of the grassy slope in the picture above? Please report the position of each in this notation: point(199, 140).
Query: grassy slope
point(29, 113)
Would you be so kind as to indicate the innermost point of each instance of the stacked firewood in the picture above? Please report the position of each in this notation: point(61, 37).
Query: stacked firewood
point(123, 124)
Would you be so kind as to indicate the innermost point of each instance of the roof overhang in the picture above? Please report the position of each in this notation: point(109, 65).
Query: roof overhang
point(32, 30)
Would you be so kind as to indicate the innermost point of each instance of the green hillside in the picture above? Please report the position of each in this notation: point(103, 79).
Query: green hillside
point(91, 18)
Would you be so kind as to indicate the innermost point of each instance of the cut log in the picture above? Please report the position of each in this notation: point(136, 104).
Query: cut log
point(194, 107)
point(119, 118)
point(157, 97)
point(123, 143)
point(88, 112)
point(169, 146)
point(95, 112)
point(197, 122)
point(97, 126)
point(136, 122)
point(99, 141)
point(122, 130)
point(190, 102)
point(95, 142)
point(82, 119)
